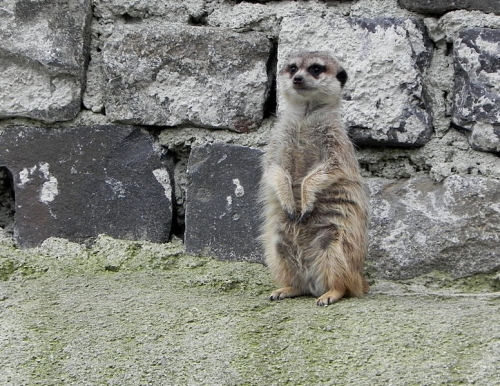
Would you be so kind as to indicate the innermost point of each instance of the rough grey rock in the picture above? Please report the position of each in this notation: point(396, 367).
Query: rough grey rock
point(448, 26)
point(477, 86)
point(442, 6)
point(174, 10)
point(419, 226)
point(43, 55)
point(172, 74)
point(80, 182)
point(222, 213)
point(384, 98)
point(93, 96)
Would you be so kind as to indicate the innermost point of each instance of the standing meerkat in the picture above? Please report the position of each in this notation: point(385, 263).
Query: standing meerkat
point(316, 205)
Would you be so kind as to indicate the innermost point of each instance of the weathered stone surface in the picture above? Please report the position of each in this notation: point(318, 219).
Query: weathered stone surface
point(43, 55)
point(173, 10)
point(222, 213)
point(172, 74)
point(78, 183)
point(442, 6)
point(448, 26)
point(384, 98)
point(419, 226)
point(477, 86)
point(93, 96)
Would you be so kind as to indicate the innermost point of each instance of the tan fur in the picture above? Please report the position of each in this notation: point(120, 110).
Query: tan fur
point(315, 202)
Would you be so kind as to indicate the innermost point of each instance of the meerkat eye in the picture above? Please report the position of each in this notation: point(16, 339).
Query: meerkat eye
point(316, 69)
point(293, 69)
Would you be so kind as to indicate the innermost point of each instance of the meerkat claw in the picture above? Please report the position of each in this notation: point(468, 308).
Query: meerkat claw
point(329, 298)
point(292, 216)
point(305, 216)
point(285, 292)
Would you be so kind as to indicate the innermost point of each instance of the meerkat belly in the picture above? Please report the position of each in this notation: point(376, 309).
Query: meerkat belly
point(306, 156)
point(314, 236)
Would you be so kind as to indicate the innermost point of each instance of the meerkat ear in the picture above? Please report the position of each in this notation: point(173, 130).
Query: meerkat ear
point(342, 77)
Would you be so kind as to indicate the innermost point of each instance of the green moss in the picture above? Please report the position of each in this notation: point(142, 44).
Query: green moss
point(7, 267)
point(164, 317)
point(479, 283)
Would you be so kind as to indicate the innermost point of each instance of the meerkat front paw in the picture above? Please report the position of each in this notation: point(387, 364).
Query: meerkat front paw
point(292, 216)
point(307, 208)
point(285, 292)
point(288, 206)
point(304, 216)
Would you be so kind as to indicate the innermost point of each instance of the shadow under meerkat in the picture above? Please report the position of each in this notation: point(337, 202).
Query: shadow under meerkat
point(316, 206)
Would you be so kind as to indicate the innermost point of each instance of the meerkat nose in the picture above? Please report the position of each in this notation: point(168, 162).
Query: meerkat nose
point(298, 79)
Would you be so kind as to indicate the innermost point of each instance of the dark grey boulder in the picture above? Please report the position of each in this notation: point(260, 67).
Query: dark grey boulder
point(222, 212)
point(476, 103)
point(43, 57)
point(80, 182)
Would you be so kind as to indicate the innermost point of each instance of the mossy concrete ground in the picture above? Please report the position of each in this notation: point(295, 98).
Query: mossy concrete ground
point(126, 313)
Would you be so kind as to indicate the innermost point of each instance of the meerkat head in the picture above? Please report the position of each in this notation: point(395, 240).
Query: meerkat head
point(312, 77)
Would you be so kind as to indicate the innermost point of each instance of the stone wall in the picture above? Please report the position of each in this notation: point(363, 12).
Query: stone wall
point(146, 119)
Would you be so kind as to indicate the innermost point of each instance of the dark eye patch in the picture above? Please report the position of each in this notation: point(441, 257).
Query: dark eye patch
point(316, 69)
point(293, 68)
point(342, 77)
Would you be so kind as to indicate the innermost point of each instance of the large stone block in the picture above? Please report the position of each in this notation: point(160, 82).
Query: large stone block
point(477, 86)
point(384, 98)
point(78, 183)
point(171, 74)
point(419, 226)
point(222, 212)
point(43, 54)
point(441, 6)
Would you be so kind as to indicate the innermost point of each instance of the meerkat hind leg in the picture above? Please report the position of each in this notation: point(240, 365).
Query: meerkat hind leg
point(285, 292)
point(330, 297)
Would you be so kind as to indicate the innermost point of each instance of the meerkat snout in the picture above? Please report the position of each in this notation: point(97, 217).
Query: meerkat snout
point(298, 79)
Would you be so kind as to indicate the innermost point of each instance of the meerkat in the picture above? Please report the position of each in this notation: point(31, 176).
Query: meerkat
point(316, 206)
